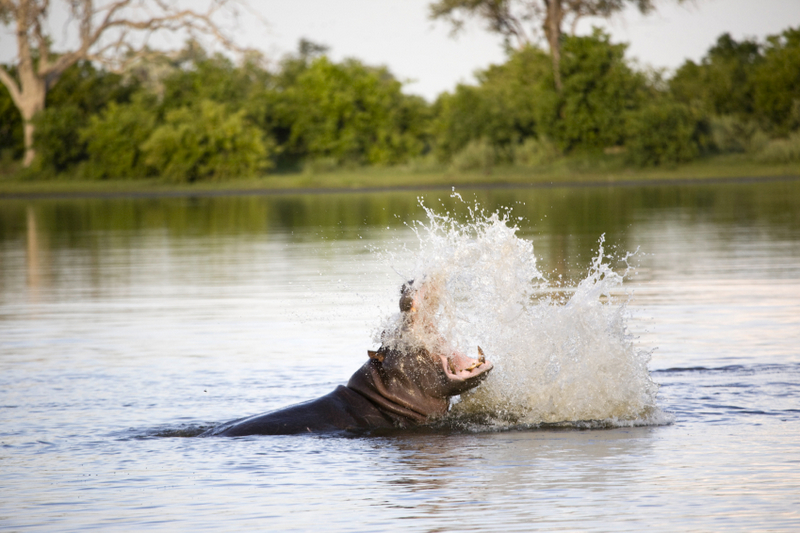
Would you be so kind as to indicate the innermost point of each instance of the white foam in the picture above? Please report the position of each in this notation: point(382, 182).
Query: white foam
point(564, 359)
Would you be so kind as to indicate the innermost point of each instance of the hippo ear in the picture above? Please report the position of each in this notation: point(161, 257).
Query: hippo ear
point(378, 356)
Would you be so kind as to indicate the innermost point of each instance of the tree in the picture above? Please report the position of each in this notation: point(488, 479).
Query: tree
point(206, 141)
point(746, 84)
point(114, 137)
point(721, 84)
point(516, 20)
point(503, 109)
point(776, 82)
point(600, 89)
point(81, 92)
point(351, 113)
point(114, 33)
point(662, 133)
point(516, 101)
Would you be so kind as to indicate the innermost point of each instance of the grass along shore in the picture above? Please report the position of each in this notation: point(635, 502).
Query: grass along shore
point(576, 171)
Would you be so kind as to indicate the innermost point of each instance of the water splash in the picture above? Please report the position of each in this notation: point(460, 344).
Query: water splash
point(562, 355)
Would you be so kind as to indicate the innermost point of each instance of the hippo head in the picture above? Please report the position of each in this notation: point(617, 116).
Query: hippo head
point(437, 376)
point(417, 384)
point(415, 372)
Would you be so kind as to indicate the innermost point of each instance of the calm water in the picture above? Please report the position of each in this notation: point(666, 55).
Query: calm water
point(125, 323)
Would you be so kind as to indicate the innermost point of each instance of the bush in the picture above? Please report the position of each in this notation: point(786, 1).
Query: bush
point(422, 163)
point(721, 83)
point(56, 139)
point(206, 142)
point(776, 84)
point(731, 134)
point(534, 152)
point(478, 154)
point(114, 138)
point(599, 90)
point(10, 126)
point(781, 150)
point(80, 92)
point(320, 165)
point(661, 134)
point(353, 113)
point(502, 109)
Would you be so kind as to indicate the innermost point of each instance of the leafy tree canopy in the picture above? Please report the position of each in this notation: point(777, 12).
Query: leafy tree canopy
point(352, 113)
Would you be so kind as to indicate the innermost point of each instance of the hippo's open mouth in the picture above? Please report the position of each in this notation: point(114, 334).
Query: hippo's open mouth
point(461, 368)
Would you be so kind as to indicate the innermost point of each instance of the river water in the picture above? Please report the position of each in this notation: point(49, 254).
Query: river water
point(127, 326)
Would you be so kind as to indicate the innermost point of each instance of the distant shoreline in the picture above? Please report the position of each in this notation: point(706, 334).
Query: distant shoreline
point(188, 191)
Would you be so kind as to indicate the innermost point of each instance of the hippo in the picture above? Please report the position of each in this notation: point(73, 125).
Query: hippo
point(408, 381)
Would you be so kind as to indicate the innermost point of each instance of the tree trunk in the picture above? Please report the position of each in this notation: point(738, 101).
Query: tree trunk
point(32, 99)
point(29, 93)
point(552, 30)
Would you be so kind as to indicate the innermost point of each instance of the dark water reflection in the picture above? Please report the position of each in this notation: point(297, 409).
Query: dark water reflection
point(565, 223)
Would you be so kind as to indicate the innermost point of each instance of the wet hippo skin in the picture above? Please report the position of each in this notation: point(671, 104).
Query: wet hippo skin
point(394, 389)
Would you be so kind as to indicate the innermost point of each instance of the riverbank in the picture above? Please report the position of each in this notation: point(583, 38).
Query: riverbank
point(574, 172)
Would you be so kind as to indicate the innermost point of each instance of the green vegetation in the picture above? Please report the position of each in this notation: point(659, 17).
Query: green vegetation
point(587, 169)
point(194, 118)
point(520, 21)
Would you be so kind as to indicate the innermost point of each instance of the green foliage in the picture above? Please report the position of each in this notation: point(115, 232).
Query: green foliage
point(352, 113)
point(199, 77)
point(478, 154)
point(193, 116)
point(82, 91)
point(599, 91)
point(781, 150)
point(502, 110)
point(423, 163)
point(517, 100)
point(11, 140)
point(311, 108)
point(747, 80)
point(206, 142)
point(661, 134)
point(57, 139)
point(114, 136)
point(320, 165)
point(776, 83)
point(534, 152)
point(731, 134)
point(721, 84)
point(90, 89)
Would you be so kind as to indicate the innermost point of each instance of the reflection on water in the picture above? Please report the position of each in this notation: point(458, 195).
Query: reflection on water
point(124, 319)
point(565, 223)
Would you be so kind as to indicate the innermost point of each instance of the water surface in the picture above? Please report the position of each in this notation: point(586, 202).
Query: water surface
point(124, 323)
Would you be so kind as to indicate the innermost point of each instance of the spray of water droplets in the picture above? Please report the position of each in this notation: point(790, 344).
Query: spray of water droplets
point(561, 357)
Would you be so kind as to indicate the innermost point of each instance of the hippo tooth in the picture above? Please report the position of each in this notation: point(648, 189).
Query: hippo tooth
point(481, 355)
point(473, 366)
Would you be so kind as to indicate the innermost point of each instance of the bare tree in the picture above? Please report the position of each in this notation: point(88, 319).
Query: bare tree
point(114, 33)
point(518, 20)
